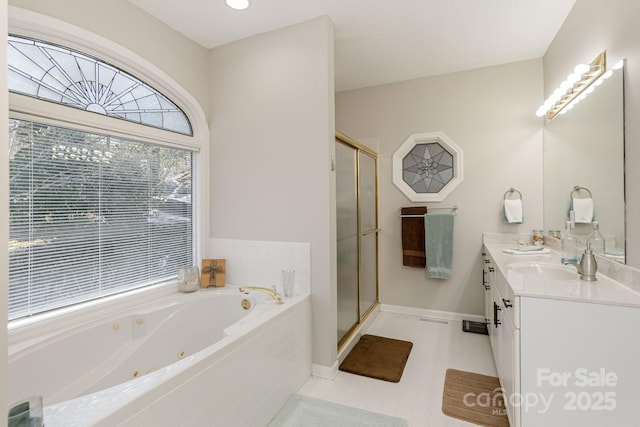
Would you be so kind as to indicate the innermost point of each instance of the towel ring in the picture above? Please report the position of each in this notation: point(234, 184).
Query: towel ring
point(510, 191)
point(577, 189)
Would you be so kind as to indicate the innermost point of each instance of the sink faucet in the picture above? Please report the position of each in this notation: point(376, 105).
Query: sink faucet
point(588, 265)
point(274, 295)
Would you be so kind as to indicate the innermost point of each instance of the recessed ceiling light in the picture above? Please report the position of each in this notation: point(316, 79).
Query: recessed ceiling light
point(238, 4)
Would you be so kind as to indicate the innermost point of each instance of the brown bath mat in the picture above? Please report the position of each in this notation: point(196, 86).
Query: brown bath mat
point(378, 357)
point(475, 398)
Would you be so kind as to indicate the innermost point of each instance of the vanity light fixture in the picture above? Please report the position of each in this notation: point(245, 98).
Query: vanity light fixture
point(237, 4)
point(575, 88)
point(592, 87)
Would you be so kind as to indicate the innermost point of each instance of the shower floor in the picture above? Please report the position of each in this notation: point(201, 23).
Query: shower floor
point(417, 398)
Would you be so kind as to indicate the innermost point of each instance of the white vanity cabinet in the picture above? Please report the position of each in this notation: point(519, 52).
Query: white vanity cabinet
point(565, 352)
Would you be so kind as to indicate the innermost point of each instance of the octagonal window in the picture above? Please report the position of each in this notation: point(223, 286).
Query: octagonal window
point(427, 167)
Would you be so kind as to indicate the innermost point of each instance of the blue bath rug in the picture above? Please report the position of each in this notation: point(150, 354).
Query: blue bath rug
point(308, 412)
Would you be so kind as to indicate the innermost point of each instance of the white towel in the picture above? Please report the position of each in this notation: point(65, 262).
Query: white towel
point(513, 211)
point(583, 210)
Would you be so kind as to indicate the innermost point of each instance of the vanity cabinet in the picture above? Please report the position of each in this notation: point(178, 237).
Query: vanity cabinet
point(564, 361)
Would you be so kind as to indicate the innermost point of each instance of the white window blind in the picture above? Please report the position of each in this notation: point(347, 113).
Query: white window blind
point(93, 215)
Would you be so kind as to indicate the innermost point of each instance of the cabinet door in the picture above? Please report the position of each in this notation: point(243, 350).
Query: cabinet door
point(583, 359)
point(510, 362)
point(505, 343)
point(494, 329)
point(488, 282)
point(488, 304)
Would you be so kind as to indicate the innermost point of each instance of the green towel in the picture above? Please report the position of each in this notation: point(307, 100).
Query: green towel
point(438, 230)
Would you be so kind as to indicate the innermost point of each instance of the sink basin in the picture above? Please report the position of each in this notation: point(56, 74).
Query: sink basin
point(545, 270)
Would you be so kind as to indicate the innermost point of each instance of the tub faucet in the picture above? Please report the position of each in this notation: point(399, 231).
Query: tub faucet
point(274, 295)
point(588, 265)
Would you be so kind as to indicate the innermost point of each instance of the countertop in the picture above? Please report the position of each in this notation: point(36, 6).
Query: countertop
point(604, 290)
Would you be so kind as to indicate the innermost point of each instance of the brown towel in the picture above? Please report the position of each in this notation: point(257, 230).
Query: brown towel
point(413, 237)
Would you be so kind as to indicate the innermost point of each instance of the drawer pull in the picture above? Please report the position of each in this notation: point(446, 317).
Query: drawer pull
point(507, 303)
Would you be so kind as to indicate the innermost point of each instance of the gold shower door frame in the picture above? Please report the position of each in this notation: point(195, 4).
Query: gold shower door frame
point(367, 235)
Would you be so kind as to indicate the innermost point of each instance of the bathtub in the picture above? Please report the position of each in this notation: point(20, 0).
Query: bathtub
point(213, 357)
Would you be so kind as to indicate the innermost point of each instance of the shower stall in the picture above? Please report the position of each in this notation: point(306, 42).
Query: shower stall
point(357, 232)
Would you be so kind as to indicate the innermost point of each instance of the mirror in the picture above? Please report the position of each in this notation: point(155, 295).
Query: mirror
point(585, 147)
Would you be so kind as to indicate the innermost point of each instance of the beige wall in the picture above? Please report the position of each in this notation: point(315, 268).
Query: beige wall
point(272, 139)
point(592, 27)
point(490, 114)
point(120, 21)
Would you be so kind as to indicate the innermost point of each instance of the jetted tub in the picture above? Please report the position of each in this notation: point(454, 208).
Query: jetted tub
point(187, 359)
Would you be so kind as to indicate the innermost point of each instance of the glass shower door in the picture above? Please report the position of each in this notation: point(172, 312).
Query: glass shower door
point(357, 233)
point(347, 237)
point(368, 284)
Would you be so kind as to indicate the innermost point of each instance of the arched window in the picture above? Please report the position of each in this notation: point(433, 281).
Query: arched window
point(65, 76)
point(92, 213)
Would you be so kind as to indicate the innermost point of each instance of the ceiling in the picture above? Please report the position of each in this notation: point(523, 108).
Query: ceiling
point(384, 41)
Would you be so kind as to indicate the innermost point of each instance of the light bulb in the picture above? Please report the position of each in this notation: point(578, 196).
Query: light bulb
point(581, 69)
point(573, 77)
point(237, 4)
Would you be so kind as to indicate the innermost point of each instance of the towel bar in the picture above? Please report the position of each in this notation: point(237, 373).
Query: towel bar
point(453, 208)
point(510, 191)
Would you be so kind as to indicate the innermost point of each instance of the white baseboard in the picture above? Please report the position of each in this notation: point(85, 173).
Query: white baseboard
point(324, 372)
point(430, 314)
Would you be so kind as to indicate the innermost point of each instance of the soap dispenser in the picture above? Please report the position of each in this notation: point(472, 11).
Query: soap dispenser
point(569, 244)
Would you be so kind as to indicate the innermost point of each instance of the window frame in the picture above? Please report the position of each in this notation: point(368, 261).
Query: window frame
point(33, 25)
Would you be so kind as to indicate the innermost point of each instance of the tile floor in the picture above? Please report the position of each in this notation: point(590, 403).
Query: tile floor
point(417, 398)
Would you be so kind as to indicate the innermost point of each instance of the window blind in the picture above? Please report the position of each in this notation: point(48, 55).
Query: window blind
point(92, 215)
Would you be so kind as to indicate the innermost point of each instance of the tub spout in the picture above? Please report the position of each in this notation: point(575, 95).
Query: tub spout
point(274, 295)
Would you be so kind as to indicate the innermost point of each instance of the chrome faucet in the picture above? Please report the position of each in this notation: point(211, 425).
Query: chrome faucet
point(274, 295)
point(588, 265)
